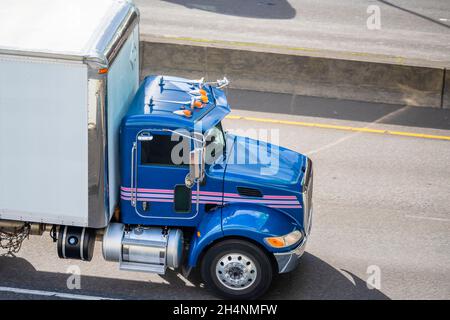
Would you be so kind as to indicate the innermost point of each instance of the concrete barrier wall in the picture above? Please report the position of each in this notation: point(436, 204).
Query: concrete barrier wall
point(300, 74)
point(446, 90)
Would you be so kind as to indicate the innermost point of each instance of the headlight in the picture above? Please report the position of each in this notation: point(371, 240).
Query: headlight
point(284, 241)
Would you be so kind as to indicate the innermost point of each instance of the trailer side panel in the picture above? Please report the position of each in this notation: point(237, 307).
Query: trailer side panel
point(43, 140)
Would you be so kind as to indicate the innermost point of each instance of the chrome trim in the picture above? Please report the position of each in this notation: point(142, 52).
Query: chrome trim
point(307, 185)
point(125, 252)
point(133, 151)
point(108, 46)
point(36, 54)
point(112, 242)
point(83, 231)
point(125, 29)
point(288, 261)
point(63, 246)
point(114, 37)
point(236, 271)
point(98, 216)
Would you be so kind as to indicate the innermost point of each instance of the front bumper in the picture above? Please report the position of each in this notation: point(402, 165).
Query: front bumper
point(288, 261)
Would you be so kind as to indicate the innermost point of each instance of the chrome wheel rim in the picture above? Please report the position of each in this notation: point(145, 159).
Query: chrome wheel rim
point(236, 271)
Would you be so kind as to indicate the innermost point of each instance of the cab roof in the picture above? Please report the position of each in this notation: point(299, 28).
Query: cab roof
point(160, 96)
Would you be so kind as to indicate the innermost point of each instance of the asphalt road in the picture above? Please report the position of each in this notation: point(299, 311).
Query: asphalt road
point(408, 28)
point(380, 200)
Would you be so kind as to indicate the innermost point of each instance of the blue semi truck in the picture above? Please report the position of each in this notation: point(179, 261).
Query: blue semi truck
point(147, 169)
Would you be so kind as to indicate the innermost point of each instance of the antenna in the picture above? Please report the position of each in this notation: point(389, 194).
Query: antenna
point(220, 83)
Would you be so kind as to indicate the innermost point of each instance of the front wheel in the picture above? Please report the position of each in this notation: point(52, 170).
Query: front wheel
point(237, 269)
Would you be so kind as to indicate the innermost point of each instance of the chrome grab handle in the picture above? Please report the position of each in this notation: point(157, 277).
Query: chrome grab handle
point(133, 198)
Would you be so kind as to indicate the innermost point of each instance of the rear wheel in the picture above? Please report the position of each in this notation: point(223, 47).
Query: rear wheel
point(237, 269)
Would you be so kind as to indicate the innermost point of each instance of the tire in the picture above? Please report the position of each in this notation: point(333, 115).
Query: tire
point(237, 269)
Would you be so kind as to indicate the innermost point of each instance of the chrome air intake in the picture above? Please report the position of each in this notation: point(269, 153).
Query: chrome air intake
point(143, 249)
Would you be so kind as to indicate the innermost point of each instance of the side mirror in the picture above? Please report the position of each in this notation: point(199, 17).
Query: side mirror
point(196, 167)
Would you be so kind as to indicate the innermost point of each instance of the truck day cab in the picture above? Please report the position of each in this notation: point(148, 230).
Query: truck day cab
point(87, 153)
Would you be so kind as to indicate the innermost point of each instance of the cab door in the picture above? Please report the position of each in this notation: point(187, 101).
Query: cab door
point(160, 169)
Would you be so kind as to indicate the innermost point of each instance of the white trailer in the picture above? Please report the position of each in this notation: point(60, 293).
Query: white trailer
point(68, 70)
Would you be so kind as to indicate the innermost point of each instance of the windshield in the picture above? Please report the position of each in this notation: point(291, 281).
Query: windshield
point(215, 143)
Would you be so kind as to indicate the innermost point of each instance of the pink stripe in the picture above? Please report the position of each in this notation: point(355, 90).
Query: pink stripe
point(286, 207)
point(147, 195)
point(169, 196)
point(147, 190)
point(231, 195)
point(213, 202)
point(209, 193)
point(168, 191)
point(280, 197)
point(264, 197)
point(146, 199)
point(262, 201)
point(208, 198)
point(165, 200)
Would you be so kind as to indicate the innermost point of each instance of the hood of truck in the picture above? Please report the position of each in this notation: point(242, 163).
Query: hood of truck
point(264, 174)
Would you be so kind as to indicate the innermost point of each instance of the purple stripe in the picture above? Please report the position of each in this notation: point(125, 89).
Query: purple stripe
point(284, 206)
point(167, 196)
point(165, 200)
point(146, 199)
point(207, 198)
point(203, 201)
point(148, 195)
point(208, 193)
point(262, 201)
point(147, 190)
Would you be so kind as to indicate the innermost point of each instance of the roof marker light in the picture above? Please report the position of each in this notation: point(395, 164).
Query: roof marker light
point(204, 99)
point(198, 92)
point(186, 113)
point(102, 70)
point(196, 104)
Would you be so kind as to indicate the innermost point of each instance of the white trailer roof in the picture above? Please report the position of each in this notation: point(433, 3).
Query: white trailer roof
point(65, 27)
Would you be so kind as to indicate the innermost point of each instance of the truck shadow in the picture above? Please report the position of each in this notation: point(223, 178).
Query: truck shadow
point(314, 279)
point(262, 9)
point(340, 109)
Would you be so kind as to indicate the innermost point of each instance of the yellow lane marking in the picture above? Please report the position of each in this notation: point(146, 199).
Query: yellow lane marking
point(345, 128)
point(398, 59)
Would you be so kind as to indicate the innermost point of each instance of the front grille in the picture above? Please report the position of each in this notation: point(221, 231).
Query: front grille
point(307, 190)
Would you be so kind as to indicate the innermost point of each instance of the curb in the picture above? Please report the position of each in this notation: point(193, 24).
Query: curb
point(301, 71)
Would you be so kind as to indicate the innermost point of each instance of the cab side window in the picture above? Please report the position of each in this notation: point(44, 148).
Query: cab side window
point(158, 151)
